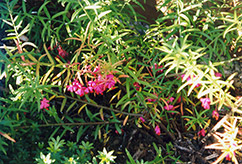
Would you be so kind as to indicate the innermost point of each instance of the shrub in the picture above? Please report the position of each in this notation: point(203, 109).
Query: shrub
point(91, 67)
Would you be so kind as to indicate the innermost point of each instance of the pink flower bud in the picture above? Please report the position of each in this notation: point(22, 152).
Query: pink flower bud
point(157, 130)
point(142, 119)
point(201, 133)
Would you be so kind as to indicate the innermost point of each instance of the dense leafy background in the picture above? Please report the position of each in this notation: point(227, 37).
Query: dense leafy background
point(49, 44)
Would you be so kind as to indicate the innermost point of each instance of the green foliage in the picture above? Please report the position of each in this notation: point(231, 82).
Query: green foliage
point(58, 50)
point(159, 156)
point(60, 151)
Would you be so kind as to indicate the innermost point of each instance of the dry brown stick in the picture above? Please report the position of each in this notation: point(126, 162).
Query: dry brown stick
point(169, 133)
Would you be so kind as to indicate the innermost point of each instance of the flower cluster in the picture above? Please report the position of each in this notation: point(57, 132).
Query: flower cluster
point(171, 107)
point(44, 104)
point(98, 85)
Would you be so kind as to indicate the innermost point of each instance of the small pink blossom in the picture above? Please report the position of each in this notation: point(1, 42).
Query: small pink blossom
point(151, 100)
point(137, 86)
point(109, 81)
point(217, 74)
point(91, 85)
point(49, 48)
point(170, 107)
point(97, 84)
point(44, 104)
point(188, 78)
point(228, 157)
point(122, 131)
point(74, 86)
point(70, 88)
point(157, 130)
point(201, 133)
point(62, 52)
point(99, 89)
point(80, 91)
point(215, 115)
point(205, 103)
point(86, 90)
point(170, 99)
point(142, 119)
point(157, 67)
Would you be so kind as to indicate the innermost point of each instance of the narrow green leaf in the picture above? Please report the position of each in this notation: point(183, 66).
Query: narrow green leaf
point(71, 106)
point(63, 104)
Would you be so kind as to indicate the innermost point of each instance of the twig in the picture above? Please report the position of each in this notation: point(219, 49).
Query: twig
point(71, 124)
point(100, 106)
point(169, 134)
point(184, 149)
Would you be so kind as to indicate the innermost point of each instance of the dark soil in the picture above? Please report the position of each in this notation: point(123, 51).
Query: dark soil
point(140, 143)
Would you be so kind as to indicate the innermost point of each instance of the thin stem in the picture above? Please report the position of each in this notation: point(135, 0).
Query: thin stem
point(100, 106)
point(71, 124)
point(167, 132)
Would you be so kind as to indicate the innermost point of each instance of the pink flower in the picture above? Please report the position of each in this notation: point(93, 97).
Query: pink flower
point(201, 133)
point(142, 119)
point(157, 67)
point(91, 85)
point(44, 104)
point(86, 90)
point(137, 86)
point(157, 130)
point(217, 74)
point(62, 52)
point(205, 103)
point(154, 99)
point(96, 69)
point(151, 100)
point(122, 131)
point(80, 91)
point(99, 89)
point(228, 157)
point(170, 107)
point(170, 99)
point(215, 115)
point(99, 85)
point(74, 86)
point(109, 81)
point(183, 75)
